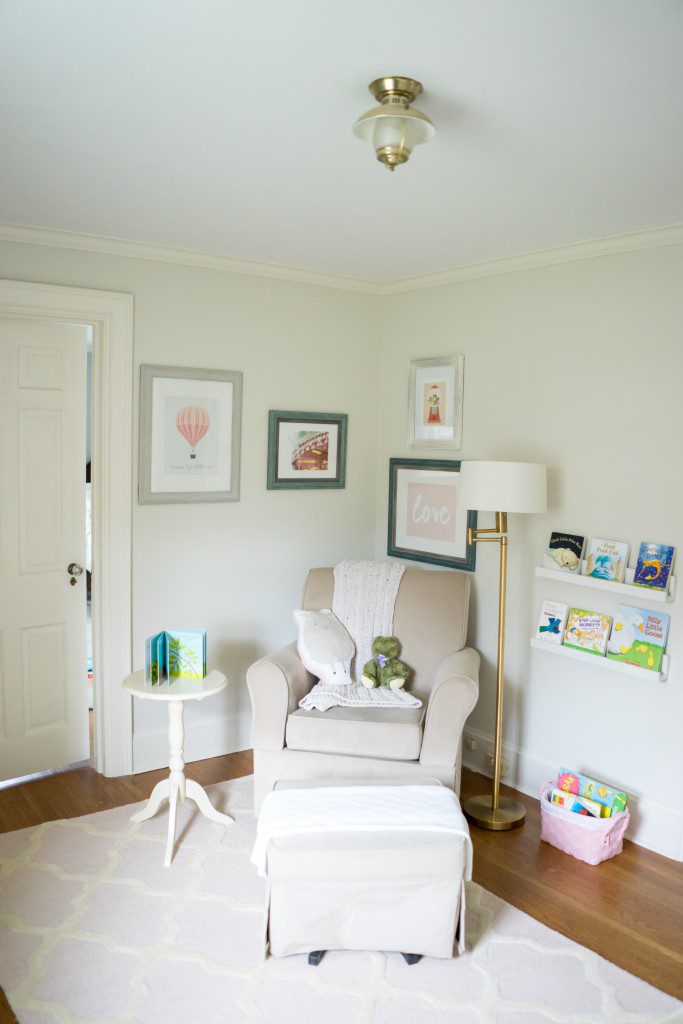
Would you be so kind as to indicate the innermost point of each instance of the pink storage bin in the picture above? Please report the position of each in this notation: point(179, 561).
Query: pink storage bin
point(586, 838)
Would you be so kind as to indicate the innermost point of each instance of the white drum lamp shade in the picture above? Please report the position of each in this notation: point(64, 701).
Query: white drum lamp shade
point(503, 487)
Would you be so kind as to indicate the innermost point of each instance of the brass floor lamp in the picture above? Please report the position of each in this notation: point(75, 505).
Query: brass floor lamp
point(515, 487)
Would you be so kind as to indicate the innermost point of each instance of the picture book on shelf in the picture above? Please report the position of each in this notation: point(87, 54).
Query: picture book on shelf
point(587, 631)
point(553, 621)
point(175, 654)
point(607, 560)
point(654, 565)
point(638, 637)
point(565, 551)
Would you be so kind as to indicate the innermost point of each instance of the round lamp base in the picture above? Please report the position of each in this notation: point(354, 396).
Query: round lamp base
point(508, 814)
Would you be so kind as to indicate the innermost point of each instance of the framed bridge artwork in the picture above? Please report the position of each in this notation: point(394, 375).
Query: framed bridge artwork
point(189, 435)
point(425, 523)
point(306, 449)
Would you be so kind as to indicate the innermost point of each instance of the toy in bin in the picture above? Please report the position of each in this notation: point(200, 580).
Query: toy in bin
point(583, 817)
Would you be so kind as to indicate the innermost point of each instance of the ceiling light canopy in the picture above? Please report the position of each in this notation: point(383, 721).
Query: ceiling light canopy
point(394, 128)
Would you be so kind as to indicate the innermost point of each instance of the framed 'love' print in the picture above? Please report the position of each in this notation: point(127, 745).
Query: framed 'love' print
point(425, 523)
point(189, 435)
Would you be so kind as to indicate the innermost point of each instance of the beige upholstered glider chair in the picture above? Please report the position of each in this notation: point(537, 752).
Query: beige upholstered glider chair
point(430, 620)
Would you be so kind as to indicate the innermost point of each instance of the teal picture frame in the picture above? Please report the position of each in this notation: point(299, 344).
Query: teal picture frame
point(277, 418)
point(468, 563)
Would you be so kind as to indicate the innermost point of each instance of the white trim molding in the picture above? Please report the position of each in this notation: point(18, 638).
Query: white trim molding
point(110, 314)
point(632, 242)
point(653, 825)
point(168, 254)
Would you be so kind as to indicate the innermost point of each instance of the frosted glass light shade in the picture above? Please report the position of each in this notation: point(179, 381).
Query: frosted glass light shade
point(384, 126)
point(502, 487)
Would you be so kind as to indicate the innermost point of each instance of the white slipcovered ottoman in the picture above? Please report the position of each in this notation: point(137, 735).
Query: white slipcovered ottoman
point(366, 867)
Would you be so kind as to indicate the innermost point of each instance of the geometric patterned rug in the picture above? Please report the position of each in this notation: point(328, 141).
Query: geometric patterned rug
point(94, 929)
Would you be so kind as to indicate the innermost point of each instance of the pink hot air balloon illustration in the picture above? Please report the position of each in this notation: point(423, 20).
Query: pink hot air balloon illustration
point(193, 422)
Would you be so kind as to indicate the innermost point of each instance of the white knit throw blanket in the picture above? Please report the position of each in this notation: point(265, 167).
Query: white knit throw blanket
point(364, 599)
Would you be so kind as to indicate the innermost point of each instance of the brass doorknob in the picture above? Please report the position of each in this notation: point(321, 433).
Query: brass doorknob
point(74, 569)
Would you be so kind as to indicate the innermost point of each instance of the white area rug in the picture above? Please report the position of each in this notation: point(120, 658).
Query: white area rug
point(94, 929)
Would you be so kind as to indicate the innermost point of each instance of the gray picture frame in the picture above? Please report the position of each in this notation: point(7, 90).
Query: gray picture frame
point(148, 373)
point(457, 364)
point(334, 419)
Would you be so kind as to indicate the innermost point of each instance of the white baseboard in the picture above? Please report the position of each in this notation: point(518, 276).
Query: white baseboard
point(653, 825)
point(204, 739)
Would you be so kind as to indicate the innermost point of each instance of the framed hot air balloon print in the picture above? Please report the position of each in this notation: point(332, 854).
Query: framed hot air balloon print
point(306, 449)
point(189, 434)
point(435, 402)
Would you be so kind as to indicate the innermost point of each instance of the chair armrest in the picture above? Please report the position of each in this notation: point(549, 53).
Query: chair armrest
point(453, 696)
point(276, 685)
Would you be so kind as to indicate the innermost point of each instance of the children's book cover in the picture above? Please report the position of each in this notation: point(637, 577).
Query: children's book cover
point(607, 560)
point(186, 653)
point(552, 622)
point(638, 637)
point(612, 800)
point(565, 551)
point(587, 631)
point(654, 565)
point(175, 654)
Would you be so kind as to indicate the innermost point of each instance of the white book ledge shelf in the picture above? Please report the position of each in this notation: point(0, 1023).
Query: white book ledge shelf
point(600, 662)
point(638, 594)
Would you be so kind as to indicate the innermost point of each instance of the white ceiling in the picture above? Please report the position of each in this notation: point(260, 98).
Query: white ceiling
point(225, 126)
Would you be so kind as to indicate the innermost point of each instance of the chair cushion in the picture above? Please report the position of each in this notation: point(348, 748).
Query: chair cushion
point(395, 733)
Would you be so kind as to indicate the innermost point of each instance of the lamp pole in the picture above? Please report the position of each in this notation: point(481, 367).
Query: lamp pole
point(496, 812)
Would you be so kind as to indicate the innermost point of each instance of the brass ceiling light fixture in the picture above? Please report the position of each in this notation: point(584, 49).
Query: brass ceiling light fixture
point(394, 128)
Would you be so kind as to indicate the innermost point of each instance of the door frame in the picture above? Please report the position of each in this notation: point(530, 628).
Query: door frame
point(110, 315)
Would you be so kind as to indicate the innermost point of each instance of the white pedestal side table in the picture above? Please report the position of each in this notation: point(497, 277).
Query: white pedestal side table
point(176, 786)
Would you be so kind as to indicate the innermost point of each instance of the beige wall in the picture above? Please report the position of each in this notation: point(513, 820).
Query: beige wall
point(237, 569)
point(579, 366)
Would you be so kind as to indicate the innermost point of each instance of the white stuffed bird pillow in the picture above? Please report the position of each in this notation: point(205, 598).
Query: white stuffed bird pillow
point(325, 647)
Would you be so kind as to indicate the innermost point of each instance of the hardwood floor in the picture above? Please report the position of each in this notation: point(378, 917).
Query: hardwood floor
point(630, 909)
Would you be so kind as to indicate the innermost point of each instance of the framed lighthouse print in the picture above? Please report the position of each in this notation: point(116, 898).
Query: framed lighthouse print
point(435, 402)
point(189, 435)
point(306, 450)
point(425, 522)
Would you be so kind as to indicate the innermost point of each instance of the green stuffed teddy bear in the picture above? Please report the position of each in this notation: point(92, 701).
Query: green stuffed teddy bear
point(385, 669)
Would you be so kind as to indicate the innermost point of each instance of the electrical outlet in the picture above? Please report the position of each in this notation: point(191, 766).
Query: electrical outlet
point(471, 743)
point(503, 764)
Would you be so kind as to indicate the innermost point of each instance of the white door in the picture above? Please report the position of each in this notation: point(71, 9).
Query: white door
point(43, 689)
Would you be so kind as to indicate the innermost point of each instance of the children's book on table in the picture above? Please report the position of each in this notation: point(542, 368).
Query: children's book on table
point(175, 654)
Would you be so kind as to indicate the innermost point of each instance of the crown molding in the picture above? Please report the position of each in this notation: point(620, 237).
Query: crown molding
point(105, 245)
point(634, 242)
